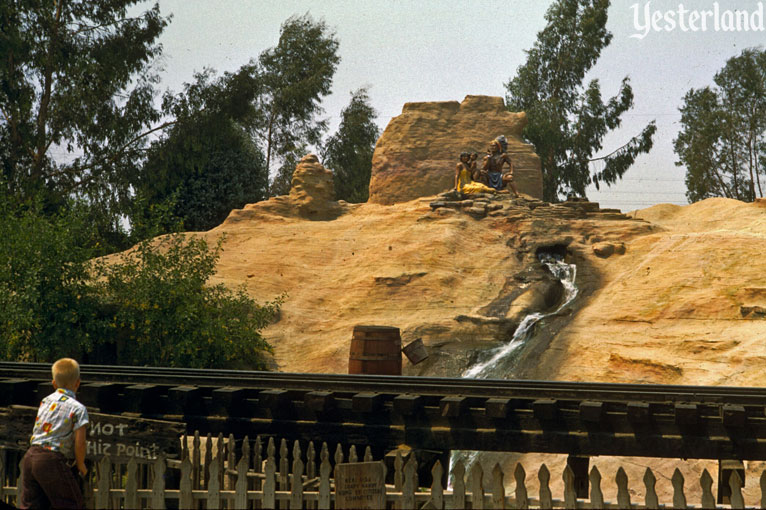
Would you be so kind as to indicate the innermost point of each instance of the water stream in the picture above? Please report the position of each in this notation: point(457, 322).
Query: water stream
point(498, 363)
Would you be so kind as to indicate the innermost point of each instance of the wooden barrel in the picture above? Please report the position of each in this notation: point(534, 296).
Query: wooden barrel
point(375, 350)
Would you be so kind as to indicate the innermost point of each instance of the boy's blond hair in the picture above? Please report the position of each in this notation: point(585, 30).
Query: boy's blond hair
point(66, 372)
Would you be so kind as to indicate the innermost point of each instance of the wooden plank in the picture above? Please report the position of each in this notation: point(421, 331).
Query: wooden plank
point(408, 405)
point(686, 414)
point(229, 401)
point(545, 409)
point(733, 415)
point(18, 391)
point(120, 437)
point(544, 477)
point(679, 498)
point(319, 401)
point(360, 485)
point(453, 406)
point(497, 407)
point(367, 402)
point(592, 412)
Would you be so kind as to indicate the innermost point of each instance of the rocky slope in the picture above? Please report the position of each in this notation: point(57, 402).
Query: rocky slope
point(667, 295)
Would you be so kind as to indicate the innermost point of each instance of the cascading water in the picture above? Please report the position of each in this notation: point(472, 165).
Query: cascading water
point(498, 363)
point(495, 363)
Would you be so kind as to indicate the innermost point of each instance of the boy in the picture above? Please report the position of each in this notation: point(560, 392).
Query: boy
point(58, 435)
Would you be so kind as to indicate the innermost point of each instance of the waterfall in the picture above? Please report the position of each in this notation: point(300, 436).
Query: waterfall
point(496, 359)
point(498, 362)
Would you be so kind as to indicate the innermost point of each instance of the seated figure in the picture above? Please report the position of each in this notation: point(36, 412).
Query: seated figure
point(493, 166)
point(463, 179)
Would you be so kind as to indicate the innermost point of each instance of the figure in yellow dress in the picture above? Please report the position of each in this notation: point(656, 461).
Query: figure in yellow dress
point(463, 180)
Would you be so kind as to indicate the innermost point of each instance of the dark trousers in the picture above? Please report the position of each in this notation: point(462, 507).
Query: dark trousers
point(48, 481)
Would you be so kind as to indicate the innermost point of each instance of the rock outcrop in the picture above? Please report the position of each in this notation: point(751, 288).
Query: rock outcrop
point(417, 153)
point(312, 197)
point(312, 191)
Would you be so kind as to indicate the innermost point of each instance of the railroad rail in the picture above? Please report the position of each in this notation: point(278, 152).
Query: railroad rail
point(429, 413)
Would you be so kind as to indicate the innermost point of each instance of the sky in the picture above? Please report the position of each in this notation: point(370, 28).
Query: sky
point(441, 50)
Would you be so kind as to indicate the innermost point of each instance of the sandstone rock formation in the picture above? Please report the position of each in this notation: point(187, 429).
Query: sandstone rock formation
point(312, 197)
point(312, 191)
point(417, 153)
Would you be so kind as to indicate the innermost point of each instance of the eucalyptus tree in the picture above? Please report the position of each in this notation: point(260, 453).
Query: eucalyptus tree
point(296, 74)
point(567, 120)
point(722, 141)
point(76, 99)
point(348, 153)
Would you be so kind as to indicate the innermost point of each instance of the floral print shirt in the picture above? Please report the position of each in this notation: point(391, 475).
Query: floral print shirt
point(58, 417)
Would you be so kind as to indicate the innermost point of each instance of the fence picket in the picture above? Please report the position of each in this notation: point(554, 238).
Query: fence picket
point(338, 459)
point(3, 463)
point(368, 454)
point(398, 477)
point(221, 452)
point(623, 494)
point(231, 461)
point(284, 470)
point(498, 490)
point(208, 458)
point(269, 483)
point(437, 490)
point(352, 456)
point(410, 483)
point(258, 468)
point(570, 495)
point(596, 496)
point(544, 476)
point(679, 498)
point(458, 485)
point(296, 491)
point(214, 482)
point(324, 478)
point(131, 485)
point(706, 483)
point(240, 486)
point(258, 455)
point(186, 500)
point(650, 501)
point(196, 461)
point(311, 466)
point(158, 483)
point(104, 482)
point(522, 497)
point(476, 480)
point(735, 482)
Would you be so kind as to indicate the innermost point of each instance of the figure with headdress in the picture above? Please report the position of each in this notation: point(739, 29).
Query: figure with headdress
point(493, 165)
point(463, 179)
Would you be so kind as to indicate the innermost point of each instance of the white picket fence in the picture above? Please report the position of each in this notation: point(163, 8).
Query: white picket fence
point(212, 474)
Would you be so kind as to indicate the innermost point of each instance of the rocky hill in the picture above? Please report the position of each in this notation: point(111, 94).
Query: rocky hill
point(668, 295)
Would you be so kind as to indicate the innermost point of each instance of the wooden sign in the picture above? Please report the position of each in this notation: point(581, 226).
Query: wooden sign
point(120, 437)
point(360, 485)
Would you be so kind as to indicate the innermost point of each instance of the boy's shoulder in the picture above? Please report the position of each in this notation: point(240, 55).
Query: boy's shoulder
point(62, 396)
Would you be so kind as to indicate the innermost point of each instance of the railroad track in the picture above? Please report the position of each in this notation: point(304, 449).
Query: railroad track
point(430, 413)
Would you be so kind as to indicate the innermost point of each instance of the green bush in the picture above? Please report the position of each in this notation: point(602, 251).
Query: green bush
point(160, 310)
point(152, 307)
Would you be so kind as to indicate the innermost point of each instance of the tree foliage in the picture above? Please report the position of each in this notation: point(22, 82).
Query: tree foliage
point(722, 141)
point(207, 163)
point(568, 121)
point(348, 153)
point(153, 306)
point(76, 78)
point(46, 301)
point(161, 310)
point(296, 74)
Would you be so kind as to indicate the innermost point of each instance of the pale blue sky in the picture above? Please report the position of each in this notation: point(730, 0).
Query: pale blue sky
point(434, 50)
